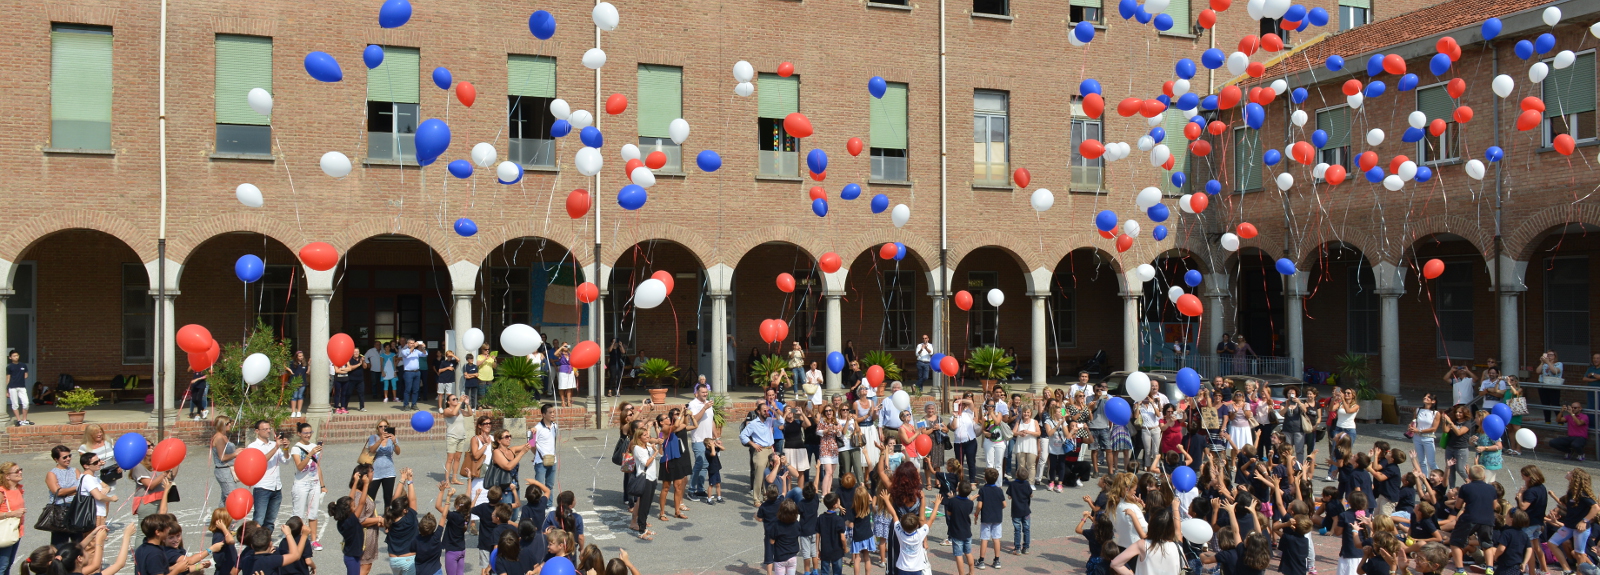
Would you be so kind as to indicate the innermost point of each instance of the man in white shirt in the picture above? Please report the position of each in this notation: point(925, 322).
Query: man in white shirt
point(964, 435)
point(1492, 388)
point(411, 375)
point(268, 492)
point(544, 447)
point(700, 412)
point(1461, 384)
point(1082, 386)
point(924, 362)
point(889, 416)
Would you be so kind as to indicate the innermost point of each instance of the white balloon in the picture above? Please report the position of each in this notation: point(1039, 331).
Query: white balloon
point(1183, 204)
point(1318, 170)
point(1197, 531)
point(1374, 137)
point(1564, 58)
point(260, 100)
point(589, 161)
point(744, 89)
point(1073, 40)
point(1354, 100)
point(1146, 143)
point(1393, 183)
point(484, 154)
point(560, 109)
point(1275, 8)
point(1285, 181)
point(1154, 7)
point(743, 71)
point(471, 340)
point(1042, 199)
point(642, 177)
point(335, 164)
point(1180, 86)
point(1131, 228)
point(1503, 85)
point(901, 399)
point(1527, 438)
point(594, 58)
point(520, 339)
point(1159, 155)
point(1229, 242)
point(1237, 62)
point(605, 16)
point(1174, 292)
point(1146, 272)
point(1594, 30)
point(678, 130)
point(1417, 120)
point(255, 368)
point(649, 294)
point(249, 195)
point(1157, 120)
point(1137, 385)
point(1552, 16)
point(1408, 170)
point(996, 297)
point(630, 152)
point(1538, 71)
point(580, 119)
point(1475, 169)
point(1279, 87)
point(1299, 117)
point(1254, 9)
point(507, 171)
point(900, 215)
point(1147, 197)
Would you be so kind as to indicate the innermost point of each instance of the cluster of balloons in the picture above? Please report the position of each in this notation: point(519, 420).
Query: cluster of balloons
point(773, 330)
point(203, 351)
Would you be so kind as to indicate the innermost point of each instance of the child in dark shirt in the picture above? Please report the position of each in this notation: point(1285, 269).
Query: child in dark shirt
point(305, 565)
point(831, 541)
point(714, 470)
point(958, 520)
point(1100, 530)
point(1021, 493)
point(991, 506)
point(1511, 552)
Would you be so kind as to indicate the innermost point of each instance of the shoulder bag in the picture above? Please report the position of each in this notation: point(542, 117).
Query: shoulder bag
point(496, 476)
point(367, 457)
point(53, 518)
point(80, 512)
point(1519, 405)
point(10, 527)
point(640, 486)
point(619, 451)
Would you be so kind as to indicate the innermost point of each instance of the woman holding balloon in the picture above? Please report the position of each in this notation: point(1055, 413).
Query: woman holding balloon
point(1487, 444)
point(1513, 391)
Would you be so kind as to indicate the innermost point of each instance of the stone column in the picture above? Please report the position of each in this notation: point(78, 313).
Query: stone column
point(1511, 359)
point(169, 334)
point(461, 321)
point(1215, 292)
point(1391, 285)
point(1294, 292)
point(5, 346)
point(1038, 293)
point(317, 365)
point(939, 292)
point(833, 287)
point(1132, 288)
point(719, 285)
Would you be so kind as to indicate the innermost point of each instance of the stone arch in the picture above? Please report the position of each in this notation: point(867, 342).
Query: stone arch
point(924, 251)
point(1028, 255)
point(571, 237)
point(31, 231)
point(740, 246)
point(1441, 236)
point(1525, 238)
point(191, 238)
point(957, 256)
point(1183, 253)
point(186, 256)
point(1098, 257)
point(1322, 251)
point(617, 244)
point(439, 240)
point(1481, 238)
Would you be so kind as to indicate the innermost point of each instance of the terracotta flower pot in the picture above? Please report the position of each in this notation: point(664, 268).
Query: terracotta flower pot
point(74, 417)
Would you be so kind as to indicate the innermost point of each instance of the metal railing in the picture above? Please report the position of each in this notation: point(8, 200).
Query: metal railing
point(1212, 365)
point(1590, 399)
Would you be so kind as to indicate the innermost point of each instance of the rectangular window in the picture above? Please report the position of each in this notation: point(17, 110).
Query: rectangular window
point(990, 152)
point(392, 105)
point(1361, 298)
point(1435, 103)
point(1063, 311)
point(1182, 24)
point(138, 315)
point(1085, 11)
point(1274, 26)
point(1566, 307)
point(1569, 95)
point(619, 309)
point(888, 134)
point(990, 7)
point(1174, 124)
point(277, 306)
point(899, 309)
point(985, 318)
point(1086, 173)
point(80, 87)
point(1246, 148)
point(244, 63)
point(530, 87)
point(1453, 306)
point(776, 98)
point(660, 102)
point(1336, 122)
point(1353, 13)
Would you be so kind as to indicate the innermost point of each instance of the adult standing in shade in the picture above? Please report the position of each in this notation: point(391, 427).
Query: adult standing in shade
point(268, 492)
point(487, 360)
point(1591, 377)
point(924, 362)
point(1551, 373)
point(17, 387)
point(411, 355)
point(566, 381)
point(616, 356)
point(374, 361)
point(703, 417)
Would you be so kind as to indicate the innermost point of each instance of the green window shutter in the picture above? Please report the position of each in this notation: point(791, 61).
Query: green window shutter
point(1179, 11)
point(1435, 102)
point(1570, 90)
point(244, 63)
point(1178, 144)
point(1085, 3)
point(1336, 123)
point(395, 80)
point(660, 99)
point(1357, 3)
point(533, 76)
point(80, 90)
point(889, 118)
point(776, 96)
point(1246, 159)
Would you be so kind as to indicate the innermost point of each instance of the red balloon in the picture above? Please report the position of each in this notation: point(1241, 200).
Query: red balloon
point(466, 93)
point(1190, 305)
point(1304, 153)
point(250, 466)
point(817, 193)
point(1352, 87)
point(1265, 96)
point(923, 443)
point(786, 283)
point(963, 300)
point(1192, 130)
point(888, 251)
point(853, 145)
point(1255, 69)
point(1529, 120)
point(1248, 44)
point(1444, 45)
point(780, 330)
point(1208, 18)
point(1129, 106)
point(1228, 97)
point(1221, 5)
point(1463, 115)
point(785, 69)
point(1091, 149)
point(340, 349)
point(766, 331)
point(875, 375)
point(1437, 126)
point(1093, 105)
point(1456, 87)
point(1247, 230)
point(1532, 103)
point(1151, 108)
point(194, 338)
point(1564, 144)
point(239, 503)
point(1455, 53)
point(199, 361)
point(819, 177)
point(1367, 160)
point(1166, 89)
point(1124, 243)
point(585, 354)
point(1271, 42)
point(1021, 176)
point(1432, 269)
point(628, 168)
point(1394, 163)
point(578, 203)
point(588, 292)
point(1216, 127)
point(319, 256)
point(664, 277)
point(1198, 202)
point(1106, 234)
point(949, 366)
point(830, 262)
point(1394, 64)
point(168, 454)
point(213, 353)
point(1334, 175)
point(655, 160)
point(1171, 161)
point(1200, 148)
point(797, 125)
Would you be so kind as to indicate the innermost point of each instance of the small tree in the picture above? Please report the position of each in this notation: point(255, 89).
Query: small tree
point(1355, 370)
point(508, 398)
point(519, 369)
point(990, 362)
point(268, 399)
point(761, 369)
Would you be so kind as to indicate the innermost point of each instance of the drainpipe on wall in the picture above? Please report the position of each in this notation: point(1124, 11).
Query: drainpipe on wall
point(161, 249)
point(597, 373)
point(941, 289)
point(1499, 241)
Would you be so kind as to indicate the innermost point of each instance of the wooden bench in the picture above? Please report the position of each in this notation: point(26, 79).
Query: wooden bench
point(102, 386)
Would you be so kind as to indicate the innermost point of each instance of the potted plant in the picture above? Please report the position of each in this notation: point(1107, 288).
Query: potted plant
point(991, 364)
point(509, 400)
point(231, 395)
point(891, 369)
point(75, 402)
point(1355, 370)
point(762, 369)
point(719, 412)
point(522, 371)
point(657, 372)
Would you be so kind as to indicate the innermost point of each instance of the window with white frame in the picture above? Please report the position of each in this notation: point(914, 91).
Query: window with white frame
point(1087, 174)
point(392, 105)
point(1335, 122)
point(1361, 305)
point(1566, 306)
point(1354, 13)
point(1182, 21)
point(1063, 311)
point(899, 309)
point(776, 98)
point(1452, 302)
point(1085, 11)
point(138, 315)
point(660, 102)
point(1569, 100)
point(531, 87)
point(888, 134)
point(244, 63)
point(1435, 102)
point(1246, 169)
point(1274, 26)
point(1174, 122)
point(985, 318)
point(990, 149)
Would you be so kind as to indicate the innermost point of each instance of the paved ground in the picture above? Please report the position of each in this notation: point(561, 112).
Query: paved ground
point(715, 538)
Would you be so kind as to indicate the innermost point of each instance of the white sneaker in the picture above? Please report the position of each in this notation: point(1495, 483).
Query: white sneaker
point(205, 414)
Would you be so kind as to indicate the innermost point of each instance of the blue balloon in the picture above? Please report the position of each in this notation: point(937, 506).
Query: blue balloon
point(880, 203)
point(1272, 157)
point(1524, 49)
point(1188, 101)
point(1127, 8)
point(426, 160)
point(1319, 138)
point(819, 207)
point(1165, 100)
point(1375, 65)
point(1192, 278)
point(1298, 95)
point(249, 268)
point(632, 197)
point(1158, 213)
point(323, 67)
point(1088, 86)
point(520, 172)
point(1494, 154)
point(1183, 479)
point(935, 360)
point(1158, 134)
point(1178, 180)
point(817, 160)
point(1407, 83)
point(560, 128)
point(1296, 13)
point(1376, 88)
point(422, 421)
point(373, 56)
point(835, 361)
point(466, 228)
point(557, 566)
point(441, 78)
point(1185, 68)
point(877, 86)
point(130, 450)
point(1335, 63)
point(1303, 25)
point(460, 169)
point(1424, 173)
point(1117, 411)
point(394, 13)
point(1285, 266)
point(1208, 103)
point(1163, 22)
point(542, 24)
point(1375, 174)
point(1317, 17)
point(1439, 64)
point(1544, 43)
point(1084, 32)
point(1493, 426)
point(1105, 221)
point(1142, 16)
point(1213, 187)
point(1412, 135)
point(850, 192)
point(1254, 115)
point(591, 137)
point(1501, 410)
point(899, 251)
point(1213, 58)
point(1491, 28)
point(708, 161)
point(1188, 378)
point(1159, 233)
point(432, 138)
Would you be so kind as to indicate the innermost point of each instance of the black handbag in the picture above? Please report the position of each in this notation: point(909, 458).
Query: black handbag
point(53, 519)
point(80, 513)
point(172, 494)
point(944, 440)
point(618, 451)
point(110, 474)
point(640, 486)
